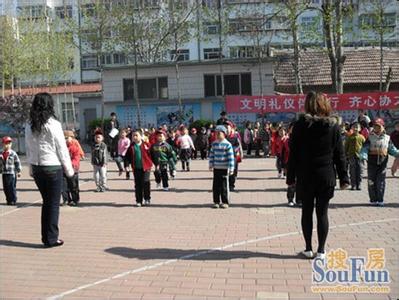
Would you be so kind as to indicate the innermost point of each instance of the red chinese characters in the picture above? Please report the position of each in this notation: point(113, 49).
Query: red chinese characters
point(296, 103)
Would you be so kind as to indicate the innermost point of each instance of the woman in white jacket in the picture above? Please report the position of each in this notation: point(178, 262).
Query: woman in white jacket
point(48, 157)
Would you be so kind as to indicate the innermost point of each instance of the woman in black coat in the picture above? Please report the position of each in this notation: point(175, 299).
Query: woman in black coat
point(316, 156)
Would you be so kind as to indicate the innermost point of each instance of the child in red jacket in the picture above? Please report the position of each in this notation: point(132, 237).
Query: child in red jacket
point(70, 186)
point(280, 140)
point(285, 156)
point(140, 156)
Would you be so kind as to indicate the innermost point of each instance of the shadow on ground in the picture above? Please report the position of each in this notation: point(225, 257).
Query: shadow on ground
point(192, 254)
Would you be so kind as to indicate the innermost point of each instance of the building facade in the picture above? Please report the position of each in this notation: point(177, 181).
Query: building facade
point(200, 90)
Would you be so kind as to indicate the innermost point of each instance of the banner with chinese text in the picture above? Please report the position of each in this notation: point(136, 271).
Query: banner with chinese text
point(296, 103)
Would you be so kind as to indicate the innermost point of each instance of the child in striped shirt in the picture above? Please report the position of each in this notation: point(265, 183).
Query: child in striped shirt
point(221, 162)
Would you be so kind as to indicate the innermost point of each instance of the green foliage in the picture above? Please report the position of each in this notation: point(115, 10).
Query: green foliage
point(97, 123)
point(198, 124)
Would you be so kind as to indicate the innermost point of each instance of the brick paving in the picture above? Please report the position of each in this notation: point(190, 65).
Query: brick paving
point(180, 248)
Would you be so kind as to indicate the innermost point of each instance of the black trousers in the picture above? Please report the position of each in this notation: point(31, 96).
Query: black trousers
point(233, 178)
point(70, 188)
point(203, 153)
point(376, 181)
point(161, 174)
point(291, 194)
point(49, 183)
point(258, 147)
point(312, 195)
point(220, 186)
point(355, 171)
point(10, 187)
point(249, 148)
point(142, 185)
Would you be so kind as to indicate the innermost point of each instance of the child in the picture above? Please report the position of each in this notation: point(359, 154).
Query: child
point(123, 146)
point(248, 137)
point(273, 139)
point(140, 157)
point(221, 162)
point(161, 155)
point(194, 137)
point(265, 138)
point(70, 185)
point(186, 146)
point(10, 166)
point(99, 161)
point(353, 146)
point(172, 141)
point(375, 152)
point(233, 137)
point(202, 143)
point(395, 141)
point(279, 148)
point(285, 154)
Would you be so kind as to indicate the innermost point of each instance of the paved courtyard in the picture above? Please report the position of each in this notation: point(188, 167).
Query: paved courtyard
point(180, 248)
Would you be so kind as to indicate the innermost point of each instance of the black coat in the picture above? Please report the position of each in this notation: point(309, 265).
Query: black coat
point(316, 153)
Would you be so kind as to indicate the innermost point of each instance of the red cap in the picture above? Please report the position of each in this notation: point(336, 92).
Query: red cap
point(379, 121)
point(6, 140)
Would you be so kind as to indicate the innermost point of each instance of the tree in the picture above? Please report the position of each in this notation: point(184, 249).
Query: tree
point(94, 31)
point(217, 13)
point(147, 33)
point(376, 27)
point(14, 111)
point(182, 27)
point(332, 15)
point(292, 10)
point(253, 24)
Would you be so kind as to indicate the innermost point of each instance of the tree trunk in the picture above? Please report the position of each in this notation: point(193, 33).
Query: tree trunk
point(136, 71)
point(388, 80)
point(297, 58)
point(381, 42)
point(220, 49)
point(339, 49)
point(333, 38)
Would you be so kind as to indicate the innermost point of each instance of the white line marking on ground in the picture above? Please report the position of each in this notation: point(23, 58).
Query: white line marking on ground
point(200, 253)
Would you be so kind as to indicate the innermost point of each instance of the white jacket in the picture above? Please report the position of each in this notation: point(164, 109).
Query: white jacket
point(49, 147)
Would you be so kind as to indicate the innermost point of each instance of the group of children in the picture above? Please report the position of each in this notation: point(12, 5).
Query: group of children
point(364, 148)
point(140, 150)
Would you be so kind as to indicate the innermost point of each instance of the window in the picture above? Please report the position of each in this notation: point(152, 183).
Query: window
point(210, 3)
point(246, 86)
point(163, 87)
point(149, 88)
point(106, 59)
point(389, 20)
point(234, 84)
point(63, 12)
point(128, 89)
point(88, 10)
point(242, 52)
point(211, 28)
point(89, 61)
point(308, 23)
point(151, 3)
point(67, 112)
point(182, 54)
point(119, 58)
point(211, 53)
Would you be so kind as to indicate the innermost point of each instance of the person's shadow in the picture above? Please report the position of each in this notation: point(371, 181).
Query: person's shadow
point(193, 254)
point(10, 243)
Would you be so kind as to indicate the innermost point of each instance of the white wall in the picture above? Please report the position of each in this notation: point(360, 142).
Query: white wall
point(191, 79)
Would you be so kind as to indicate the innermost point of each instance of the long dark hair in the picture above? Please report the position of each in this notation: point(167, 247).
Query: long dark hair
point(41, 111)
